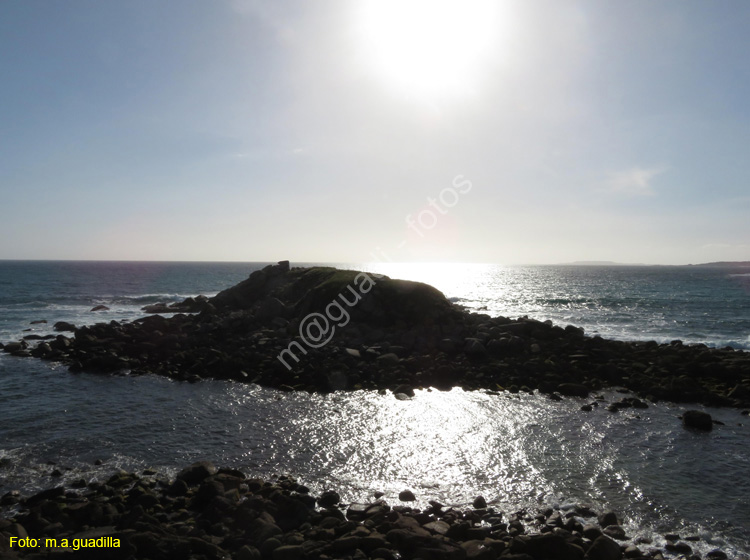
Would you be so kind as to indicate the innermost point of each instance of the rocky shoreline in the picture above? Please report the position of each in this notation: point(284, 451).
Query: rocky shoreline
point(209, 513)
point(385, 334)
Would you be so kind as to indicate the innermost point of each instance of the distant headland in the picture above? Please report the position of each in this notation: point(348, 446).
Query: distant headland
point(717, 264)
point(724, 264)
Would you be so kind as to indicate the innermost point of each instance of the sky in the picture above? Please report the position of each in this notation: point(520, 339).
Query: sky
point(505, 131)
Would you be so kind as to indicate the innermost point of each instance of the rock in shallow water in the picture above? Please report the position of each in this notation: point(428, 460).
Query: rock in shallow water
point(197, 472)
point(406, 496)
point(64, 326)
point(608, 518)
point(480, 503)
point(616, 532)
point(698, 420)
point(604, 548)
point(329, 498)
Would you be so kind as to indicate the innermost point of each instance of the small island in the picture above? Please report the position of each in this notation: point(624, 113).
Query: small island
point(322, 329)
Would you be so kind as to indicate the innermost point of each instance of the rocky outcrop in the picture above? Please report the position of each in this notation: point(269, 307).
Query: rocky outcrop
point(372, 299)
point(324, 329)
point(188, 305)
point(209, 513)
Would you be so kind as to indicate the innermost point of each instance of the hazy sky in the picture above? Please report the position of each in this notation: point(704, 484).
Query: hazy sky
point(541, 131)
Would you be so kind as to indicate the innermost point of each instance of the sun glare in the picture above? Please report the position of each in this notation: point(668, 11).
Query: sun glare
point(429, 48)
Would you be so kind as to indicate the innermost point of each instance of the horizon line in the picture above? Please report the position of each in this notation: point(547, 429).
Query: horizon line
point(583, 263)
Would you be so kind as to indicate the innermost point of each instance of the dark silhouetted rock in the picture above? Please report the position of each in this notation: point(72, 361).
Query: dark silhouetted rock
point(197, 472)
point(604, 548)
point(608, 518)
point(406, 496)
point(573, 390)
point(698, 420)
point(616, 532)
point(679, 548)
point(13, 347)
point(329, 498)
point(479, 503)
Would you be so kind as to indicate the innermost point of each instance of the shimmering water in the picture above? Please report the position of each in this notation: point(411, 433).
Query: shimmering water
point(516, 450)
point(694, 304)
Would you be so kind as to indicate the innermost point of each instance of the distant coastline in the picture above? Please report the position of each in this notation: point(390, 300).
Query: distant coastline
point(602, 263)
point(724, 264)
point(717, 264)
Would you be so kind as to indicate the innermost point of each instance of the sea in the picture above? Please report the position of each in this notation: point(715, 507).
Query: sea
point(519, 451)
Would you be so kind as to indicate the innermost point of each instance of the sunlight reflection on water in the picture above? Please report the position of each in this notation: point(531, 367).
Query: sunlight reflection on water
point(518, 451)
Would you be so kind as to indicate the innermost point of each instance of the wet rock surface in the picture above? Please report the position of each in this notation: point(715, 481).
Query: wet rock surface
point(210, 513)
point(697, 420)
point(323, 329)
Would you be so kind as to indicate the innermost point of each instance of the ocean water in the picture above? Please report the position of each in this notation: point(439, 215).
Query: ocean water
point(519, 451)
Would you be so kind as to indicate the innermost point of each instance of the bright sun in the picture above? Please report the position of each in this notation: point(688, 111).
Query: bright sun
point(429, 48)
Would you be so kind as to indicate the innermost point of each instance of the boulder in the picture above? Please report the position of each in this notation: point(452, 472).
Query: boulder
point(262, 529)
point(329, 498)
point(475, 350)
point(418, 543)
point(289, 552)
point(438, 527)
point(591, 532)
point(604, 548)
point(357, 512)
point(480, 503)
point(478, 550)
point(547, 545)
point(197, 472)
point(697, 420)
point(608, 518)
point(388, 359)
point(573, 390)
point(12, 347)
point(450, 346)
point(406, 496)
point(100, 308)
point(64, 326)
point(679, 548)
point(247, 552)
point(404, 390)
point(616, 532)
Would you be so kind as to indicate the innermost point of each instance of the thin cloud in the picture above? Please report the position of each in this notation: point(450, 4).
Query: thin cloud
point(267, 14)
point(733, 246)
point(249, 7)
point(637, 181)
